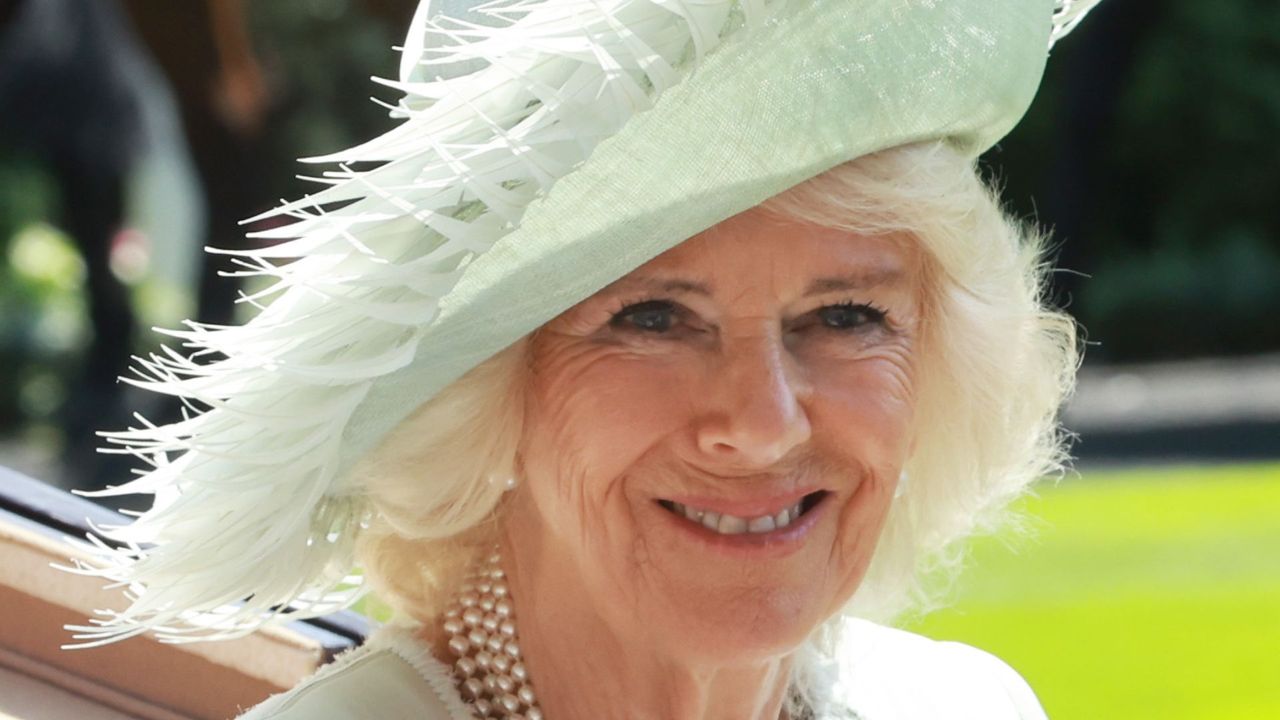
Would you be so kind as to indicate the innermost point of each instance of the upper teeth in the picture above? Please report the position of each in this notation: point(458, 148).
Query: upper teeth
point(726, 524)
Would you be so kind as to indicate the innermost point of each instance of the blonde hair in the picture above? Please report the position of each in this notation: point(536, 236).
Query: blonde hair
point(995, 364)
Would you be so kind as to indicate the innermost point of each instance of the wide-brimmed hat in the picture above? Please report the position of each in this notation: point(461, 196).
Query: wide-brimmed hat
point(547, 148)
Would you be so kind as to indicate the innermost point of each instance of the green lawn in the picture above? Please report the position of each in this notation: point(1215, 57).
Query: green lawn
point(1143, 594)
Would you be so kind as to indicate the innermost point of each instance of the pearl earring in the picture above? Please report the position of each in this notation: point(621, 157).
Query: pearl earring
point(901, 490)
point(508, 484)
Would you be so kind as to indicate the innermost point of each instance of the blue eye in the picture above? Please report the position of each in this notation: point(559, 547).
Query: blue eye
point(655, 316)
point(848, 316)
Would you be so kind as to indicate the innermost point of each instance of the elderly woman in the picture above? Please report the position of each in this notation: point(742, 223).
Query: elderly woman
point(662, 347)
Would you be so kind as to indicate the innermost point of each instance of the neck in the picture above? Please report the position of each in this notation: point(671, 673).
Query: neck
point(584, 667)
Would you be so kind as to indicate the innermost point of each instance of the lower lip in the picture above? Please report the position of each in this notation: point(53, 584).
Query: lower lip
point(773, 544)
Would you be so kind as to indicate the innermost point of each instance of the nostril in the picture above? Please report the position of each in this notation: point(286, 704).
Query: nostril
point(753, 444)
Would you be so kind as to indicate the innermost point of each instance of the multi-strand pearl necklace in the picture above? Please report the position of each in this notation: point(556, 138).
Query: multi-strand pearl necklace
point(480, 624)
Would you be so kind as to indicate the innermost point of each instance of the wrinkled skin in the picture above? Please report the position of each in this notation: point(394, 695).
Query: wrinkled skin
point(724, 369)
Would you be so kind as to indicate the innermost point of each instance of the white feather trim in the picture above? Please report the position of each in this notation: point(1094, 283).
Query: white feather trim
point(1066, 15)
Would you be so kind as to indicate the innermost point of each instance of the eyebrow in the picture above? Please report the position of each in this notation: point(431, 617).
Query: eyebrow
point(860, 280)
point(665, 285)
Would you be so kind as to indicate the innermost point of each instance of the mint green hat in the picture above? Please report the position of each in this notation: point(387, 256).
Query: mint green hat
point(546, 148)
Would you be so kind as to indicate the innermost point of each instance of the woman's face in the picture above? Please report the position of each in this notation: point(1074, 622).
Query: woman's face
point(712, 442)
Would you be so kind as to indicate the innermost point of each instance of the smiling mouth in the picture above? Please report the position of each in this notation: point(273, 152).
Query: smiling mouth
point(726, 524)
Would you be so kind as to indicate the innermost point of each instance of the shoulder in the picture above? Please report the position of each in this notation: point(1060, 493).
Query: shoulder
point(390, 677)
point(886, 672)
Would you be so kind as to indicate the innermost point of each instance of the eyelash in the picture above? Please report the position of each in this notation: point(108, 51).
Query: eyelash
point(617, 318)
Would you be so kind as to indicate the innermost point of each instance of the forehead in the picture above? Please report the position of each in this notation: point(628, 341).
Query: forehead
point(756, 242)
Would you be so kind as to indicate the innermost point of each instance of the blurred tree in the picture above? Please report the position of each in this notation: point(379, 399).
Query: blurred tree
point(319, 56)
point(1162, 176)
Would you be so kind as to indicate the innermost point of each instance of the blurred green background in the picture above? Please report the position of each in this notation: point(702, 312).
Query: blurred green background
point(1136, 594)
point(1147, 590)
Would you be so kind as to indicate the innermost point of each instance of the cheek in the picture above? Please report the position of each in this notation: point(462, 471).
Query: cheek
point(592, 411)
point(867, 406)
point(864, 415)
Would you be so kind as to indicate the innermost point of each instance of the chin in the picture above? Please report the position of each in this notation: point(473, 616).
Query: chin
point(767, 624)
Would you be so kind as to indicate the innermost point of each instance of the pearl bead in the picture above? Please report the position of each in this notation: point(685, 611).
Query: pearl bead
point(453, 626)
point(494, 644)
point(533, 714)
point(467, 600)
point(484, 588)
point(486, 604)
point(508, 628)
point(518, 672)
point(525, 693)
point(490, 623)
point(509, 702)
point(512, 649)
point(500, 590)
point(501, 663)
point(472, 616)
point(502, 608)
point(484, 659)
point(466, 666)
point(477, 637)
point(505, 683)
point(471, 688)
point(497, 574)
point(491, 683)
point(483, 708)
point(495, 558)
point(452, 611)
point(459, 645)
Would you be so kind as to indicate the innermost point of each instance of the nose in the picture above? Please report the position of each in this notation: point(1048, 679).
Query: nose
point(754, 411)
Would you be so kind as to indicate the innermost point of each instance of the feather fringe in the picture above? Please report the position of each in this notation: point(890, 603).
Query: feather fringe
point(1066, 15)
